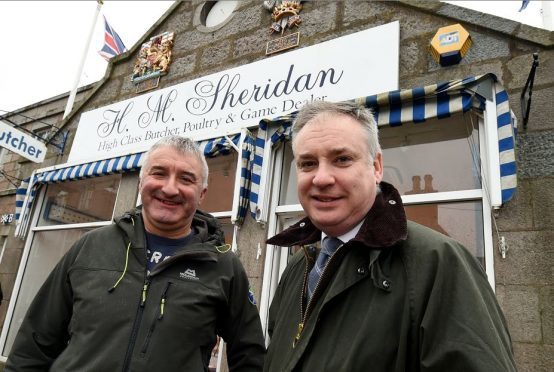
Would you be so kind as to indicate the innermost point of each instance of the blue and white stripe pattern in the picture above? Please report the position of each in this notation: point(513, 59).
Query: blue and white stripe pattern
point(26, 192)
point(247, 161)
point(506, 144)
point(419, 104)
point(404, 106)
point(282, 134)
point(218, 146)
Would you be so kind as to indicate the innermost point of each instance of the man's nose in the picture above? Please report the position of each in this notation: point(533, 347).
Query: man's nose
point(324, 175)
point(170, 187)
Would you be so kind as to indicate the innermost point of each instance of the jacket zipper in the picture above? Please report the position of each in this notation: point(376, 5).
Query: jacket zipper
point(136, 324)
point(138, 318)
point(305, 313)
point(158, 318)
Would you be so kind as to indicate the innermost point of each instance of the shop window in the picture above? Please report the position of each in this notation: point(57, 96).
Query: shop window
point(221, 183)
point(462, 221)
point(82, 201)
point(436, 156)
point(48, 248)
point(436, 167)
point(64, 212)
point(219, 202)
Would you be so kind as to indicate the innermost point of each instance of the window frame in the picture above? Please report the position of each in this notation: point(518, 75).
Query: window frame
point(25, 259)
point(488, 195)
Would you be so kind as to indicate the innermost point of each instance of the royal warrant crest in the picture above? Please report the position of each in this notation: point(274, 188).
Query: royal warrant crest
point(153, 61)
point(285, 15)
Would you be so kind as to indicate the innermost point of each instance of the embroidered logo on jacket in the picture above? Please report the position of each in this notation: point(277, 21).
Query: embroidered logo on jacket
point(189, 274)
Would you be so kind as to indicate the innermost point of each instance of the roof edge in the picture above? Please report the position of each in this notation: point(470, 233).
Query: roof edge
point(516, 30)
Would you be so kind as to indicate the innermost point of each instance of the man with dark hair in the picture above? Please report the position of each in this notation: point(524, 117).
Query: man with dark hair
point(150, 292)
point(382, 293)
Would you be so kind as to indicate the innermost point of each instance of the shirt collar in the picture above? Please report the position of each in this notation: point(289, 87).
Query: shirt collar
point(349, 235)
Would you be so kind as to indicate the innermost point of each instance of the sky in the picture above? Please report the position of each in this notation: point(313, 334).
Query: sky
point(44, 41)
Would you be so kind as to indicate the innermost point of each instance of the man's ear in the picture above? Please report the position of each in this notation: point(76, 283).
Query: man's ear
point(202, 195)
point(378, 167)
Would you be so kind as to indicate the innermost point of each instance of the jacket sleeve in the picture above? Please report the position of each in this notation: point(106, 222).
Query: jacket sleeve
point(43, 334)
point(241, 327)
point(461, 325)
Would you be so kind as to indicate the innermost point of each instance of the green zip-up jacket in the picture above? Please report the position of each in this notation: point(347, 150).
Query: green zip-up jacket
point(99, 311)
point(398, 297)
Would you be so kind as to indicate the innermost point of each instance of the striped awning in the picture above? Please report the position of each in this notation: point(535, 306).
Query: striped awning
point(247, 161)
point(405, 106)
point(282, 134)
point(26, 192)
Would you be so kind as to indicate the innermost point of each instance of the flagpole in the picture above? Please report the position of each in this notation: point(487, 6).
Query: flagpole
point(71, 99)
point(547, 19)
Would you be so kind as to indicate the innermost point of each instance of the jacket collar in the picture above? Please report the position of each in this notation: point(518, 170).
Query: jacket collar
point(208, 229)
point(384, 225)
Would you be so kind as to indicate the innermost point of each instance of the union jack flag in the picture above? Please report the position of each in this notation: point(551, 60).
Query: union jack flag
point(524, 4)
point(112, 43)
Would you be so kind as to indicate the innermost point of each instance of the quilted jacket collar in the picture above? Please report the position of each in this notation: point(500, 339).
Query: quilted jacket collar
point(384, 225)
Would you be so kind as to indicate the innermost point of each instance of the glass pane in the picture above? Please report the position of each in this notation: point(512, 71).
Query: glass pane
point(228, 229)
point(434, 156)
point(462, 221)
point(90, 200)
point(288, 193)
point(221, 183)
point(437, 155)
point(46, 250)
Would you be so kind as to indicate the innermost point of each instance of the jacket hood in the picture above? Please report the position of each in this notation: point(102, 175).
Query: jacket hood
point(208, 229)
point(384, 225)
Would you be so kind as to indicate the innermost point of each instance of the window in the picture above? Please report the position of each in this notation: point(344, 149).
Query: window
point(212, 15)
point(219, 202)
point(48, 248)
point(436, 167)
point(81, 201)
point(65, 211)
point(221, 181)
point(218, 12)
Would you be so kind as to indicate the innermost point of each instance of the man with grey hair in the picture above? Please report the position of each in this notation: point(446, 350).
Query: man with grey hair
point(382, 293)
point(150, 292)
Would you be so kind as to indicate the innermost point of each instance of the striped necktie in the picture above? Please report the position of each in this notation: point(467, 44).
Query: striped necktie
point(328, 247)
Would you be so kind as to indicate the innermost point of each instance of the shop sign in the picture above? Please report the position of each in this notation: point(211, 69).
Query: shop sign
point(6, 218)
point(353, 66)
point(21, 143)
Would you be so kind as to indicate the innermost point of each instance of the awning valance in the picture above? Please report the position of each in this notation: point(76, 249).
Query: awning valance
point(404, 106)
point(70, 172)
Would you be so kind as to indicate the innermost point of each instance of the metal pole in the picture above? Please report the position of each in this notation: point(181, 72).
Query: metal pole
point(547, 17)
point(73, 93)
